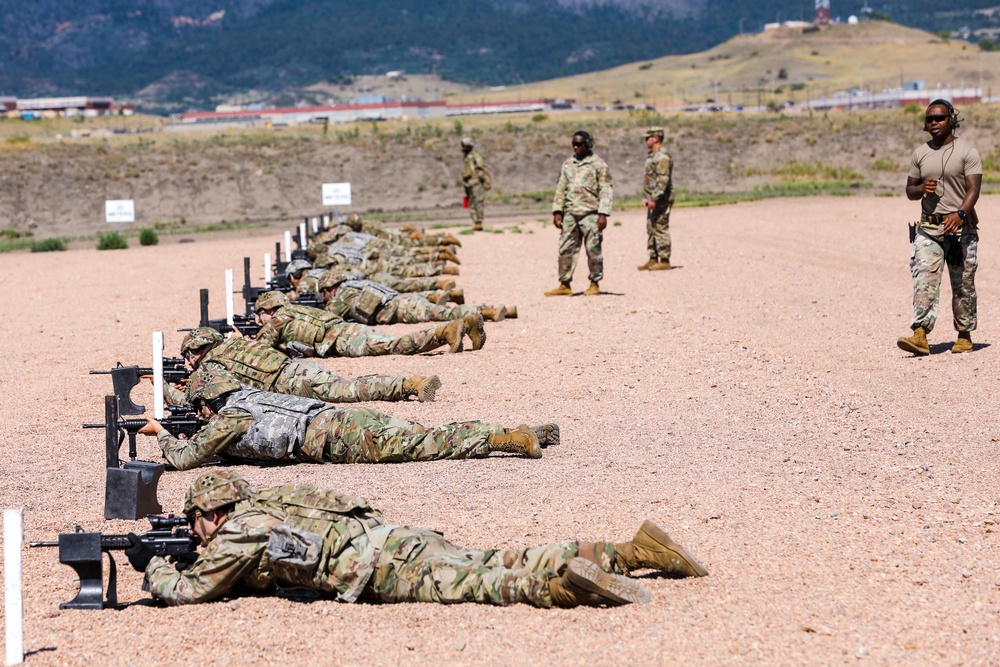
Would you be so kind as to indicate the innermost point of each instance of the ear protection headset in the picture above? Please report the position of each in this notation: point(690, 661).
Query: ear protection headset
point(586, 137)
point(952, 113)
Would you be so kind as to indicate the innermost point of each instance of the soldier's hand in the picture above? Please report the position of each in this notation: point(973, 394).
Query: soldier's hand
point(602, 221)
point(236, 333)
point(147, 377)
point(152, 427)
point(952, 223)
point(139, 554)
point(183, 561)
point(557, 219)
point(648, 204)
point(929, 186)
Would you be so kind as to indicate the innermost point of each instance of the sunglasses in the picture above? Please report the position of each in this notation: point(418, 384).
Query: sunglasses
point(579, 143)
point(937, 118)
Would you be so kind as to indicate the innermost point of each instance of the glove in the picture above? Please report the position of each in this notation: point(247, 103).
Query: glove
point(139, 554)
point(184, 560)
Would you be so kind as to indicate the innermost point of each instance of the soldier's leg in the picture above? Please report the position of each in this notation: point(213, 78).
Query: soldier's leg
point(406, 284)
point(659, 234)
point(963, 285)
point(362, 435)
point(650, 237)
point(417, 270)
point(413, 308)
point(477, 202)
point(592, 238)
point(421, 566)
point(570, 240)
point(926, 266)
point(306, 379)
point(358, 340)
point(555, 557)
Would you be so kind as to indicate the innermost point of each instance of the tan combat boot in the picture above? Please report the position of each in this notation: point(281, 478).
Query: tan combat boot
point(457, 296)
point(593, 290)
point(645, 267)
point(917, 343)
point(511, 312)
point(475, 330)
point(451, 334)
point(660, 266)
point(410, 228)
point(584, 583)
point(520, 440)
point(437, 298)
point(448, 239)
point(478, 227)
point(548, 435)
point(449, 270)
point(447, 255)
point(446, 284)
point(563, 290)
point(652, 548)
point(963, 344)
point(424, 388)
point(494, 313)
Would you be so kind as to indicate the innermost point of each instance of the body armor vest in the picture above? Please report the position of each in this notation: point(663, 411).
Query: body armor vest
point(308, 325)
point(359, 238)
point(352, 254)
point(385, 294)
point(279, 424)
point(253, 363)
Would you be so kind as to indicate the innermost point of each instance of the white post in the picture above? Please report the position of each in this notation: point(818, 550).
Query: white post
point(267, 267)
point(157, 375)
point(302, 235)
point(229, 297)
point(288, 246)
point(315, 225)
point(13, 538)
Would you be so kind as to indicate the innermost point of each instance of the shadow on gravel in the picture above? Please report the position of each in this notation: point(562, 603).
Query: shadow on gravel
point(941, 348)
point(44, 649)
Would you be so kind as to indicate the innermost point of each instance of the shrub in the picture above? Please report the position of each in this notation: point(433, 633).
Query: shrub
point(111, 241)
point(48, 245)
point(148, 237)
point(539, 118)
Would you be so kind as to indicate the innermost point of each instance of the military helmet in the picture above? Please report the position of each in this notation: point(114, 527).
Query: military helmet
point(270, 300)
point(332, 279)
point(467, 142)
point(297, 266)
point(199, 338)
point(216, 489)
point(208, 385)
point(653, 132)
point(354, 222)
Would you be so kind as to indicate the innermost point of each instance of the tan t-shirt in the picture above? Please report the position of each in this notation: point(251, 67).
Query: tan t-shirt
point(950, 164)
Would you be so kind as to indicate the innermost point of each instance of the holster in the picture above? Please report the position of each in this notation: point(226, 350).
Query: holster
point(913, 231)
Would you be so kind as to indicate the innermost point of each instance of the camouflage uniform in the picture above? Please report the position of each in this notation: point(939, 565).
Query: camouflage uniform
point(658, 188)
point(262, 426)
point(426, 286)
point(476, 179)
point(932, 249)
point(406, 308)
point(373, 264)
point(584, 191)
point(256, 364)
point(359, 557)
point(311, 332)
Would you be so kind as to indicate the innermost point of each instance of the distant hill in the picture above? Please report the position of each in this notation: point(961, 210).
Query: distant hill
point(178, 54)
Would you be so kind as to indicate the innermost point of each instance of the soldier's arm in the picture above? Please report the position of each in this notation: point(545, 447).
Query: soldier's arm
point(233, 553)
point(484, 174)
point(222, 430)
point(174, 395)
point(606, 190)
point(338, 304)
point(559, 199)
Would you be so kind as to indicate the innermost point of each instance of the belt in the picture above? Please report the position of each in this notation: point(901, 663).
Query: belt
point(933, 218)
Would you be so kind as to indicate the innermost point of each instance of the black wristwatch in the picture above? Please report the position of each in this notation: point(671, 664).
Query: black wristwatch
point(961, 214)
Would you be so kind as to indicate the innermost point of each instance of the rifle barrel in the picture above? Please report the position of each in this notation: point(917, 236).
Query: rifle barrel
point(43, 544)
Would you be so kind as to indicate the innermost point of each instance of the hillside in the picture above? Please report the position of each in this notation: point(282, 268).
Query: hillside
point(183, 54)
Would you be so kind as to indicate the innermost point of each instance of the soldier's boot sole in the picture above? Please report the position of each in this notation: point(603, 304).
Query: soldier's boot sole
point(653, 548)
point(457, 296)
point(913, 346)
point(426, 388)
point(476, 330)
point(453, 334)
point(582, 575)
point(548, 435)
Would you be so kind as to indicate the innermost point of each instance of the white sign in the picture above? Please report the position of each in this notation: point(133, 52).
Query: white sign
point(118, 211)
point(336, 194)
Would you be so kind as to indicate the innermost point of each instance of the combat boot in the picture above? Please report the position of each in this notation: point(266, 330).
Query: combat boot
point(511, 312)
point(917, 343)
point(563, 290)
point(448, 256)
point(478, 227)
point(457, 296)
point(437, 297)
point(963, 344)
point(652, 548)
point(548, 435)
point(593, 290)
point(451, 334)
point(660, 266)
point(645, 267)
point(424, 388)
point(520, 440)
point(449, 270)
point(584, 583)
point(445, 284)
point(475, 330)
point(494, 313)
point(448, 239)
point(410, 228)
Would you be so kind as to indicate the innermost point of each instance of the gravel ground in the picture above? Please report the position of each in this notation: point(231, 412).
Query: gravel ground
point(842, 494)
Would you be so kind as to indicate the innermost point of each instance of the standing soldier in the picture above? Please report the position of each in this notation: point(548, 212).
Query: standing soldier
point(659, 199)
point(580, 208)
point(946, 174)
point(476, 179)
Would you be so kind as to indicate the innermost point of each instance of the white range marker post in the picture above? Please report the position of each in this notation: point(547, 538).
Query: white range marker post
point(267, 268)
point(157, 375)
point(302, 235)
point(315, 226)
point(229, 298)
point(13, 538)
point(288, 246)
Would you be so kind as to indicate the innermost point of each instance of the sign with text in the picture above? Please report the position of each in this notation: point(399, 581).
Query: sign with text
point(336, 194)
point(118, 211)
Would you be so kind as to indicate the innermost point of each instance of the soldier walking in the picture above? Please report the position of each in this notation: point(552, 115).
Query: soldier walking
point(476, 179)
point(658, 190)
point(946, 175)
point(580, 209)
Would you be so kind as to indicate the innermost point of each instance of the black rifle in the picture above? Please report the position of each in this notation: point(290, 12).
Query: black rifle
point(123, 378)
point(82, 552)
point(245, 323)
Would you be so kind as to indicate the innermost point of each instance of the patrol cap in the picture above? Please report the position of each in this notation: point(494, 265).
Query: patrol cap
point(297, 266)
point(269, 300)
point(653, 132)
point(216, 489)
point(467, 142)
point(199, 338)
